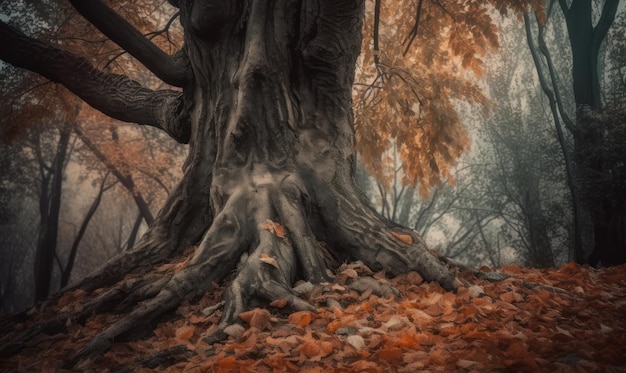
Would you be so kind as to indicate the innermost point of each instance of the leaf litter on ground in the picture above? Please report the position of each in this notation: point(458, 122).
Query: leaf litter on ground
point(565, 319)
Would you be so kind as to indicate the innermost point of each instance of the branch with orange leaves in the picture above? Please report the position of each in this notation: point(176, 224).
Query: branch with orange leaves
point(114, 95)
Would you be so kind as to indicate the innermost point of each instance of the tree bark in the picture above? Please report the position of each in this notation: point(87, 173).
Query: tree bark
point(585, 40)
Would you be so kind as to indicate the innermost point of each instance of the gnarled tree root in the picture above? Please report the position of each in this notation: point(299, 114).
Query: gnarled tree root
point(263, 236)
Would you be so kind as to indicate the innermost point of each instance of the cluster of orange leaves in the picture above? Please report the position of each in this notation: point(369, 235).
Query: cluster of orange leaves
point(408, 102)
point(566, 319)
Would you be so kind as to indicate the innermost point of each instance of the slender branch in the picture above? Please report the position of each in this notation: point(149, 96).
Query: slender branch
point(151, 35)
point(413, 33)
point(125, 179)
point(543, 48)
point(114, 95)
point(165, 30)
point(376, 32)
point(169, 69)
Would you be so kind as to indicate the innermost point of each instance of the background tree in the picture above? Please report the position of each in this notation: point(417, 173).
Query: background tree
point(591, 175)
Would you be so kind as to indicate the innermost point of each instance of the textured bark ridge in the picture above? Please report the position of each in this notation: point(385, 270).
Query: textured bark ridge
point(269, 176)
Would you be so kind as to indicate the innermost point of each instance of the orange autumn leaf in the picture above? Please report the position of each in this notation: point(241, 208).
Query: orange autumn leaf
point(332, 326)
point(269, 260)
point(301, 318)
point(511, 297)
point(279, 303)
point(434, 310)
point(407, 339)
point(185, 332)
point(309, 349)
point(403, 237)
point(326, 348)
point(389, 354)
point(258, 318)
point(227, 363)
point(273, 227)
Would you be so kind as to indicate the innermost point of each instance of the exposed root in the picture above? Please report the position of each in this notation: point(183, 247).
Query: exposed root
point(291, 202)
point(180, 224)
point(381, 244)
point(268, 272)
point(266, 227)
point(213, 260)
point(161, 360)
point(116, 299)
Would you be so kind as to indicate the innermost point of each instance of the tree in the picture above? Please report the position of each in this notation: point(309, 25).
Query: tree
point(589, 170)
point(266, 109)
point(585, 40)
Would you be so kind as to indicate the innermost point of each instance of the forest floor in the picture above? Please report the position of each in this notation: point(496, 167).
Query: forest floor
point(570, 319)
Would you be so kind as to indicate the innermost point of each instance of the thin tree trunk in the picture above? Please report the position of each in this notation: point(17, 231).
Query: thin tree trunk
point(50, 209)
point(569, 164)
point(407, 204)
point(67, 271)
point(132, 237)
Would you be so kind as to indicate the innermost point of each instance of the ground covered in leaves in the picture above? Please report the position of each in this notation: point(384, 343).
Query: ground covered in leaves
point(566, 319)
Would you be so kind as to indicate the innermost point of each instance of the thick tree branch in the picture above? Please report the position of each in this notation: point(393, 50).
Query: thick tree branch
point(169, 69)
point(114, 95)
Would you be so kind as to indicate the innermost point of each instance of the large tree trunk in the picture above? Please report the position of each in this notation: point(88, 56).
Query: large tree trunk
point(271, 112)
point(270, 170)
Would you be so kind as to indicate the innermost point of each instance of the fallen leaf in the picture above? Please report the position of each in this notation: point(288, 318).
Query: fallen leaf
point(269, 260)
point(356, 341)
point(434, 310)
point(349, 273)
point(258, 318)
point(563, 331)
point(273, 227)
point(403, 237)
point(185, 332)
point(309, 349)
point(333, 326)
point(279, 303)
point(389, 354)
point(301, 318)
point(511, 297)
point(234, 330)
